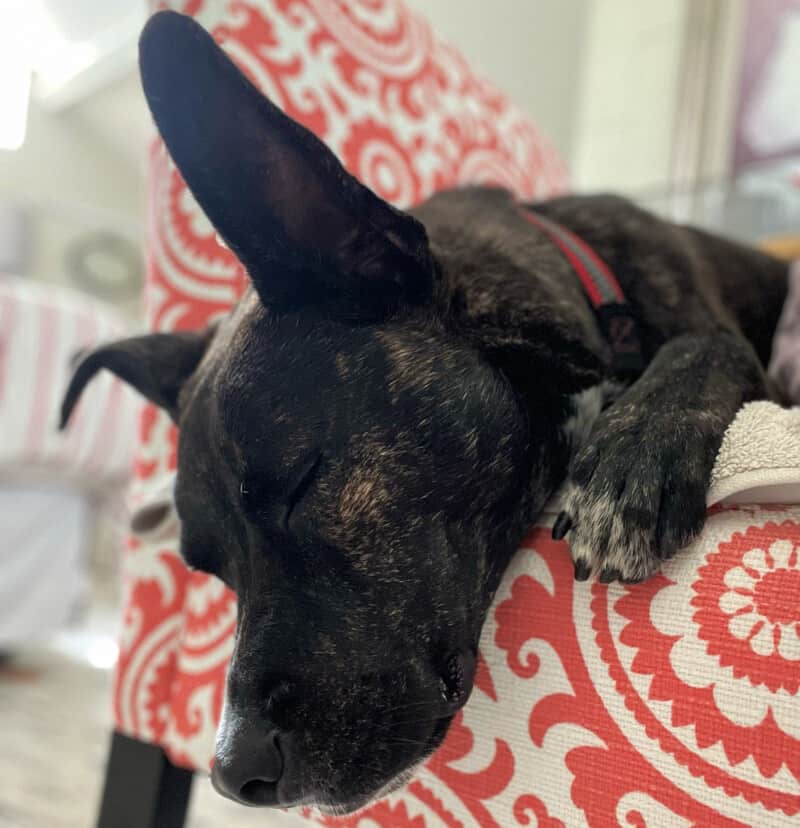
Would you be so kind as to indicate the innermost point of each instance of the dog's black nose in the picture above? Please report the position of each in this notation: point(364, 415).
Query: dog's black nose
point(249, 771)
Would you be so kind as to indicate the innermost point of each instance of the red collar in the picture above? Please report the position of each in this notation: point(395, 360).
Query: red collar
point(613, 312)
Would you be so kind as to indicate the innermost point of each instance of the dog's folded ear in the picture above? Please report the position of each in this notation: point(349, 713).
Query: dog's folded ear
point(546, 356)
point(306, 230)
point(534, 347)
point(156, 365)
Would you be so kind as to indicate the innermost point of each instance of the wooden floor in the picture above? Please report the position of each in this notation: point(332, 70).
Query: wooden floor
point(54, 731)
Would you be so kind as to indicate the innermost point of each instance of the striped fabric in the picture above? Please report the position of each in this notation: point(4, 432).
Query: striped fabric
point(41, 328)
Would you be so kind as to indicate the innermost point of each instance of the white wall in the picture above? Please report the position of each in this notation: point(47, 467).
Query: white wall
point(625, 111)
point(63, 160)
point(69, 181)
point(531, 49)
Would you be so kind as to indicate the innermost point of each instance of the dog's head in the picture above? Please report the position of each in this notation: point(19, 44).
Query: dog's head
point(350, 465)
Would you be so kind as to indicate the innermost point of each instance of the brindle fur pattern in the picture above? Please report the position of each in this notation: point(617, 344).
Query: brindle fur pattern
point(362, 480)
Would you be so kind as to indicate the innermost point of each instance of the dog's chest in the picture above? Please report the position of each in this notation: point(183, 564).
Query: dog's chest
point(585, 409)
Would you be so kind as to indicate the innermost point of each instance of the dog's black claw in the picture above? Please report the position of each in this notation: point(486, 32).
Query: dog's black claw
point(582, 571)
point(609, 575)
point(562, 525)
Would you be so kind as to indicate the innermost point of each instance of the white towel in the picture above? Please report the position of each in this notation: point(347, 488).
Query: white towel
point(759, 460)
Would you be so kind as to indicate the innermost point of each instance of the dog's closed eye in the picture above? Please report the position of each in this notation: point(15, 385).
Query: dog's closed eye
point(259, 503)
point(301, 483)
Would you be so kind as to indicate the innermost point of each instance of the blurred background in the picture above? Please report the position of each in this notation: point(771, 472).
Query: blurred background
point(689, 106)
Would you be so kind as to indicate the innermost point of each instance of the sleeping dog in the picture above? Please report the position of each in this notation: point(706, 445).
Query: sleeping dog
point(366, 437)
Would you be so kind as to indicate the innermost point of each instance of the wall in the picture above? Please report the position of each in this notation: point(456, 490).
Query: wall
point(69, 181)
point(532, 51)
point(62, 161)
point(626, 105)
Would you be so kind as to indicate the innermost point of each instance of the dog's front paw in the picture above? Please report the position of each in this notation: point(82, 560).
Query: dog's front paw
point(636, 494)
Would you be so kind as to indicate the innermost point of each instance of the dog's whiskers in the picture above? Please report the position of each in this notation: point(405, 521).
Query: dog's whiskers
point(410, 705)
point(406, 722)
point(401, 741)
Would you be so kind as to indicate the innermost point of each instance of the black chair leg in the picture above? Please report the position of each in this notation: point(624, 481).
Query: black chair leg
point(143, 789)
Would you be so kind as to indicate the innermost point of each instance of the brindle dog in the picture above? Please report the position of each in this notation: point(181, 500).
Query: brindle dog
point(366, 437)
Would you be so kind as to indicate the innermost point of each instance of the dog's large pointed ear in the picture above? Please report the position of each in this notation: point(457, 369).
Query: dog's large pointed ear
point(305, 229)
point(156, 365)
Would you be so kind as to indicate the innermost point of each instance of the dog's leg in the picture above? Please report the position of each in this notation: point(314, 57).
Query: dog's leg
point(637, 487)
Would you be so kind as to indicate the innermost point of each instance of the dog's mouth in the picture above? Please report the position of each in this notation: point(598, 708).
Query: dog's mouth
point(338, 809)
point(330, 807)
point(341, 748)
point(270, 787)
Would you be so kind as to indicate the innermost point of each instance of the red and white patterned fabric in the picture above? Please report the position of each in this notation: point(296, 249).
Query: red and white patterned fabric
point(671, 703)
point(42, 327)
